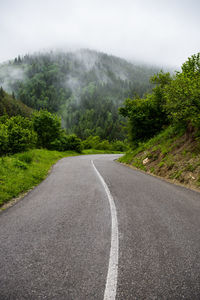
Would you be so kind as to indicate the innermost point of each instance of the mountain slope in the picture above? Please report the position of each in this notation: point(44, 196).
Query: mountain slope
point(172, 154)
point(85, 87)
point(12, 107)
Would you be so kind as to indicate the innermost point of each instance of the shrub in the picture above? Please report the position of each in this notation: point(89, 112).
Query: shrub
point(47, 126)
point(67, 142)
point(104, 145)
point(72, 142)
point(91, 142)
point(118, 146)
point(16, 135)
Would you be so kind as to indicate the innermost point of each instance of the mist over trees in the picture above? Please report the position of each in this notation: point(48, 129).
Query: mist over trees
point(85, 88)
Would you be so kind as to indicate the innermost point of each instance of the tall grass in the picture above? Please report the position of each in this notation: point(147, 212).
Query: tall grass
point(22, 171)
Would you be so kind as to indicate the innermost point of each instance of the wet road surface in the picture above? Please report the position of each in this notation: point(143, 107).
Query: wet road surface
point(56, 242)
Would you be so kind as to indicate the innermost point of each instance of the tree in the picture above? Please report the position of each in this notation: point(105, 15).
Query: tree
point(1, 92)
point(183, 95)
point(47, 126)
point(147, 116)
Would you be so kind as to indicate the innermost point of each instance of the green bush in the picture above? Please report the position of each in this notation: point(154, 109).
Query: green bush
point(16, 135)
point(91, 142)
point(47, 126)
point(118, 146)
point(67, 142)
point(94, 142)
point(103, 145)
point(73, 143)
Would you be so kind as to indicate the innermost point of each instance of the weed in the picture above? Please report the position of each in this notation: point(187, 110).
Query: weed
point(161, 164)
point(152, 169)
point(26, 157)
point(184, 152)
point(190, 167)
point(176, 174)
point(20, 164)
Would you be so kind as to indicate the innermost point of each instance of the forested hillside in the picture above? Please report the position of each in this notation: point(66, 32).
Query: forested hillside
point(12, 107)
point(84, 87)
point(164, 126)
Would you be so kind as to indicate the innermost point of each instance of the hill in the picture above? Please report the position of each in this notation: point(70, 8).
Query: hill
point(84, 87)
point(164, 126)
point(172, 155)
point(12, 107)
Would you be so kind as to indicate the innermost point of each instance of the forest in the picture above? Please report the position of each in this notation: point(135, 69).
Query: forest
point(62, 101)
point(85, 88)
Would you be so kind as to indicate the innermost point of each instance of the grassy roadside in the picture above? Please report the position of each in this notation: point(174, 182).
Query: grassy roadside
point(173, 156)
point(95, 151)
point(21, 172)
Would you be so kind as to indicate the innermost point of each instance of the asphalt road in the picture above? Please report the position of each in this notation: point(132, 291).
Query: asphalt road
point(58, 241)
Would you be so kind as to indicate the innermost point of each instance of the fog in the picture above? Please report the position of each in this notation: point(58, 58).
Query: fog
point(9, 75)
point(160, 32)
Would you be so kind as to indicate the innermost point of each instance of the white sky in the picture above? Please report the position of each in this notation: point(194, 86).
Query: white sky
point(162, 32)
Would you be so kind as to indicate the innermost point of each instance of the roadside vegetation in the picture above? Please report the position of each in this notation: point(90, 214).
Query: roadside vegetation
point(164, 126)
point(22, 171)
point(32, 141)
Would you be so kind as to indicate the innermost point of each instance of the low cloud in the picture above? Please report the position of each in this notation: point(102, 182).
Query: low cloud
point(157, 32)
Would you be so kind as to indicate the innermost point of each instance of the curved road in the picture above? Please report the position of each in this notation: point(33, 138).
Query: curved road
point(95, 229)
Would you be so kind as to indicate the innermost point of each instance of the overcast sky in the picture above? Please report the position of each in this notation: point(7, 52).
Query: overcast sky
point(162, 32)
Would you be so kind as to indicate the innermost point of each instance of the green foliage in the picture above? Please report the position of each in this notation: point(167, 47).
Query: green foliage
point(16, 135)
point(51, 135)
point(67, 142)
point(73, 143)
point(183, 95)
point(29, 168)
point(119, 146)
point(103, 145)
point(47, 126)
point(25, 157)
point(85, 88)
point(146, 116)
point(95, 115)
point(12, 107)
point(174, 100)
point(94, 142)
point(21, 171)
point(20, 164)
point(91, 142)
point(3, 139)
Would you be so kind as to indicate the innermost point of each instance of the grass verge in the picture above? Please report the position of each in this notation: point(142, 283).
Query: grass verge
point(95, 151)
point(22, 171)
